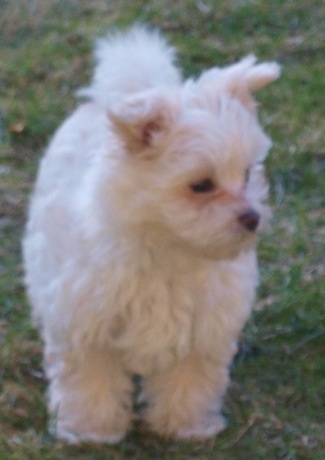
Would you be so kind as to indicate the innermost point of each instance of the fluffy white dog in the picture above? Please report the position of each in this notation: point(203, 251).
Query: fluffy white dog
point(140, 245)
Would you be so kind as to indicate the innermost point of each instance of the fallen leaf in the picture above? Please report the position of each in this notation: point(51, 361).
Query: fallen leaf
point(18, 127)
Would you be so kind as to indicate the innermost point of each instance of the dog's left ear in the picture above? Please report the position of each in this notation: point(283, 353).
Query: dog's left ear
point(142, 118)
point(240, 79)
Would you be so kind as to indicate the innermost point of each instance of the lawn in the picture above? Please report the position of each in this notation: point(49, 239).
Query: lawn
point(276, 403)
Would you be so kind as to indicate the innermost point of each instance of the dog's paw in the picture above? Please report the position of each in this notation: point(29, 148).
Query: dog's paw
point(204, 430)
point(73, 437)
point(175, 428)
point(86, 429)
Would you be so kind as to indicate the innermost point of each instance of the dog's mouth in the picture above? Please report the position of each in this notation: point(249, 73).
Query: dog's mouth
point(232, 251)
point(226, 249)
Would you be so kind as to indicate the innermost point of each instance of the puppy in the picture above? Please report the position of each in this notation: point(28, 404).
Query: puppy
point(140, 244)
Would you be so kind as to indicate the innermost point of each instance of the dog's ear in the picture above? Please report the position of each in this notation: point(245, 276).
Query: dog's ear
point(142, 118)
point(240, 79)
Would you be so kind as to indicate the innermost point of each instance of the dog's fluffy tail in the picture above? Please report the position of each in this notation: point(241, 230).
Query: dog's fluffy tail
point(129, 62)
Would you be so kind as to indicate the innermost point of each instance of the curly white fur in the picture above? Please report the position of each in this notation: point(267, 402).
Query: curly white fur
point(130, 269)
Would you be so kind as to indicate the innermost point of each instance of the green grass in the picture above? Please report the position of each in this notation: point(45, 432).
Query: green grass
point(276, 402)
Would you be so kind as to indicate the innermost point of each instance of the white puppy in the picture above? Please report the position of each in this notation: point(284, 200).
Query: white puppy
point(140, 244)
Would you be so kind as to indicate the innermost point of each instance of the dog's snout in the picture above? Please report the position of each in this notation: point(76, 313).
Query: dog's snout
point(250, 220)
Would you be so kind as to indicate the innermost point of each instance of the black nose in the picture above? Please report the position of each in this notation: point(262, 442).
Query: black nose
point(250, 220)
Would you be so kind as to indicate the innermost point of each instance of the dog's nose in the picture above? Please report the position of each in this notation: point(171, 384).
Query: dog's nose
point(250, 220)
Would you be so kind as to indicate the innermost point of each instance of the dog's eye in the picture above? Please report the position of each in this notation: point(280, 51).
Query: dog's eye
point(247, 175)
point(205, 186)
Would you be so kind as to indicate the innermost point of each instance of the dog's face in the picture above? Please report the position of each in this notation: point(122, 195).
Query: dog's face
point(193, 167)
point(209, 184)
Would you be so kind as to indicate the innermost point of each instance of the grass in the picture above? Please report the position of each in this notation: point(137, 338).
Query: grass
point(276, 403)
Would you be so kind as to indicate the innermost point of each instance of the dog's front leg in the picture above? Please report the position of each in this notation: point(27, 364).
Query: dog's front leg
point(185, 400)
point(89, 396)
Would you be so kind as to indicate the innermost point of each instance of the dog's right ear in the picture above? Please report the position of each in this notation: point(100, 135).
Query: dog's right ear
point(142, 118)
point(240, 80)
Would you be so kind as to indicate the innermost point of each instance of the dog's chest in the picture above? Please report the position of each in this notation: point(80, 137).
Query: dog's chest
point(155, 323)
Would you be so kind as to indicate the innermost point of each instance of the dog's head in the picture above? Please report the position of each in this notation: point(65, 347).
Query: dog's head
point(192, 162)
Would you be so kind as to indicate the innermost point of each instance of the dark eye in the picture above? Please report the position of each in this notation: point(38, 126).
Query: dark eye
point(204, 186)
point(247, 175)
